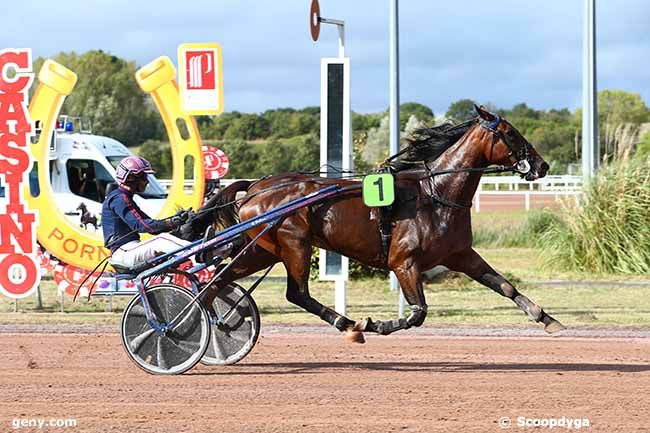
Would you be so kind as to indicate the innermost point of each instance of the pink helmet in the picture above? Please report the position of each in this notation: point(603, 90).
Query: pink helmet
point(132, 165)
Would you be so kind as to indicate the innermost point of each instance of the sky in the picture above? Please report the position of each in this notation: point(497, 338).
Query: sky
point(501, 51)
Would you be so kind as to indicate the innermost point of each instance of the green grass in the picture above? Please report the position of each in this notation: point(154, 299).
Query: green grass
point(511, 228)
point(455, 300)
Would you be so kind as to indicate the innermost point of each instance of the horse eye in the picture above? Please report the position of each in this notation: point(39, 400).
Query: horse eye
point(509, 133)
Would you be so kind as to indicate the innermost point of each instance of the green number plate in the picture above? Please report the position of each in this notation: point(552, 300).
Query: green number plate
point(378, 190)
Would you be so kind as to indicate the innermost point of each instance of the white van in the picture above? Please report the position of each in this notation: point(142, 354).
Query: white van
point(82, 170)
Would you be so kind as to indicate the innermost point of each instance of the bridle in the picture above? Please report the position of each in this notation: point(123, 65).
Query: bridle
point(520, 154)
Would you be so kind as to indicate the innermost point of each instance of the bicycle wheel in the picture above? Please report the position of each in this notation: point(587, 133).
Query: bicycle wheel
point(179, 348)
point(232, 341)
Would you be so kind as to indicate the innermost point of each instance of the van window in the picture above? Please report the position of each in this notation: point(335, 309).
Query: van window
point(88, 178)
point(34, 187)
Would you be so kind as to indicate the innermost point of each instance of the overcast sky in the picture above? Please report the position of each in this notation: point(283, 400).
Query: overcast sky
point(500, 51)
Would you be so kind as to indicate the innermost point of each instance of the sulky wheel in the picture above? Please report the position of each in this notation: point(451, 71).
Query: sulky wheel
point(176, 350)
point(232, 341)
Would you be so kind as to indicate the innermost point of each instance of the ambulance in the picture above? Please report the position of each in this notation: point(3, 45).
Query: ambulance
point(82, 171)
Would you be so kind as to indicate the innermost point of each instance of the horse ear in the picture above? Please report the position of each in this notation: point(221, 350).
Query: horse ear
point(483, 113)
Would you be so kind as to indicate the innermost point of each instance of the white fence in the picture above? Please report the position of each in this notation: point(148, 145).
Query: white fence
point(510, 190)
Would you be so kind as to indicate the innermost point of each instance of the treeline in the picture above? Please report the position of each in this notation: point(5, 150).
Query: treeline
point(285, 139)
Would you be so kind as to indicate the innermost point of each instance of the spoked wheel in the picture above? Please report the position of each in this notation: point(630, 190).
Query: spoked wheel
point(232, 341)
point(176, 350)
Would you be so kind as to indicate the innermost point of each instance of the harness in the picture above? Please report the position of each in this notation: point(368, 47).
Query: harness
point(520, 154)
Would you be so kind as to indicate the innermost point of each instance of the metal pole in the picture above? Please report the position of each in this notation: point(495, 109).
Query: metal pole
point(394, 96)
point(590, 146)
point(39, 298)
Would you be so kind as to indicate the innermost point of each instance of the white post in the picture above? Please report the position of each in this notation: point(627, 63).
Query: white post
point(340, 296)
point(527, 196)
point(346, 163)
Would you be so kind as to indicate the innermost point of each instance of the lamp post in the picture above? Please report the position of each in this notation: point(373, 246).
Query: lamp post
point(590, 145)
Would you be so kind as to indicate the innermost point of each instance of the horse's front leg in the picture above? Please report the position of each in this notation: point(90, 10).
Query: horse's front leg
point(410, 279)
point(471, 263)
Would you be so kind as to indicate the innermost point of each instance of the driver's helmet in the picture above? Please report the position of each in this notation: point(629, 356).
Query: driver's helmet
point(132, 167)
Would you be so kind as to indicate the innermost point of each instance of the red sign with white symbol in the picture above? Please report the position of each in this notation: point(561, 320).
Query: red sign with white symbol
point(200, 78)
point(200, 70)
point(215, 162)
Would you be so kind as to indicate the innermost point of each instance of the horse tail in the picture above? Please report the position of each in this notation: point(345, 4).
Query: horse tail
point(226, 210)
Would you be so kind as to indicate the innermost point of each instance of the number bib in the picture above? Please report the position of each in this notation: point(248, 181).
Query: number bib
point(378, 190)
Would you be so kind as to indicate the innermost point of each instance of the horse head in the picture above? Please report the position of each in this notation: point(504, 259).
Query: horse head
point(82, 207)
point(508, 147)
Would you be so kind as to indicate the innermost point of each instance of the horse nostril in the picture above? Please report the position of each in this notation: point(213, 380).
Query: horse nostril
point(544, 167)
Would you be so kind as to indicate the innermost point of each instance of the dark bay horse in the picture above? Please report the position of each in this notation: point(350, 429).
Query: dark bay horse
point(86, 217)
point(430, 220)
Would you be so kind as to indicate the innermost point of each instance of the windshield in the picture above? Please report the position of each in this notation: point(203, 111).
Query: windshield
point(153, 190)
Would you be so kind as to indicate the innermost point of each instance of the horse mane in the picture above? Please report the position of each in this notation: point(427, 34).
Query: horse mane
point(427, 144)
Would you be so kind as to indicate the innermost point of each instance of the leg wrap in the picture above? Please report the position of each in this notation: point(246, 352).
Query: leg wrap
point(533, 310)
point(385, 327)
point(333, 318)
point(417, 316)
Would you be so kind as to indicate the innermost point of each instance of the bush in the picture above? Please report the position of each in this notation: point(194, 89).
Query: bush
point(526, 234)
point(609, 231)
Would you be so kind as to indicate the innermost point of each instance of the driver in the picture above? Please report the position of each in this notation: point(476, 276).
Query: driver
point(123, 220)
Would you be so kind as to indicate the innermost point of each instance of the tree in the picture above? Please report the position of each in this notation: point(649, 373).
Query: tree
point(614, 108)
point(420, 111)
point(247, 127)
point(376, 148)
point(108, 95)
point(244, 159)
point(461, 111)
point(159, 156)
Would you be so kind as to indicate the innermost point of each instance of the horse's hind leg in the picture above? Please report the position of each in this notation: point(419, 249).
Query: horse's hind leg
point(472, 264)
point(410, 281)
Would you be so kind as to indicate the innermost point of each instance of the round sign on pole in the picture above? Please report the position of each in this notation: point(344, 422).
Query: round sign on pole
point(215, 163)
point(314, 20)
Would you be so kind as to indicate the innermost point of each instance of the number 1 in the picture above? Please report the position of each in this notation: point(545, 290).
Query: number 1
point(380, 184)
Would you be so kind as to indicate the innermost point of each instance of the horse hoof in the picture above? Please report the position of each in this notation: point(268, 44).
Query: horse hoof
point(554, 326)
point(354, 336)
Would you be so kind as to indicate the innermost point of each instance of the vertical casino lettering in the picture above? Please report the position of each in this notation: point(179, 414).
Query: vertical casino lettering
point(19, 270)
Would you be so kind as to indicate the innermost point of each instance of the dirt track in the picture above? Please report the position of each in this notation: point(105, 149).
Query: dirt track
point(308, 382)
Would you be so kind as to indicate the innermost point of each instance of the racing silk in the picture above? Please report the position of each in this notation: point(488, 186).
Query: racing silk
point(121, 215)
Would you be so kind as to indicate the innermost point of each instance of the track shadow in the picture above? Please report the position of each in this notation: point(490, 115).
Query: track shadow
point(288, 368)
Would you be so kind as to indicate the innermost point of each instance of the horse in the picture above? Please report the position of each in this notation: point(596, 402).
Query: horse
point(436, 177)
point(86, 217)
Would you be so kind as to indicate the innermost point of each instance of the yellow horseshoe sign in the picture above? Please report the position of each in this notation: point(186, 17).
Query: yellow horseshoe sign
point(55, 233)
